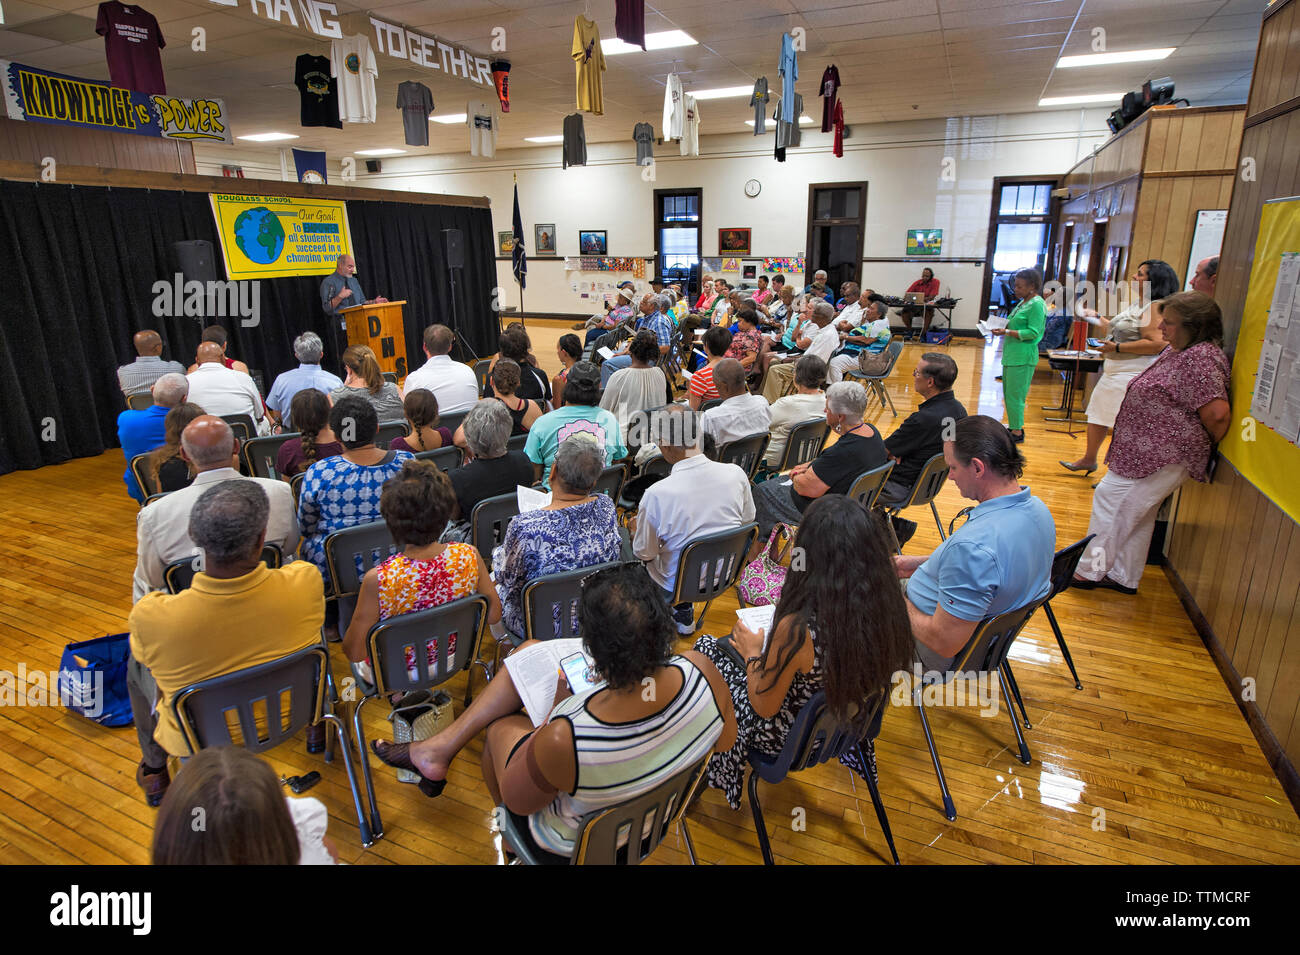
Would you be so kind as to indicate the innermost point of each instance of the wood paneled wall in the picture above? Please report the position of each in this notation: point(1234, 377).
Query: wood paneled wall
point(32, 142)
point(1234, 555)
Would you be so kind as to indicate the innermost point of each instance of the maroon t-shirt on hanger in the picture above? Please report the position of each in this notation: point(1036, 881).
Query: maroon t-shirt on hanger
point(132, 40)
point(629, 22)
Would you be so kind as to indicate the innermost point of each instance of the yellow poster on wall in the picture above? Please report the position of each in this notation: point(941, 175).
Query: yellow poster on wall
point(1265, 389)
point(267, 237)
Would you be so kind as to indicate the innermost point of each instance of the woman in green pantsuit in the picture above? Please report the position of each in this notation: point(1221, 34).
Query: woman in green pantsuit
point(1020, 351)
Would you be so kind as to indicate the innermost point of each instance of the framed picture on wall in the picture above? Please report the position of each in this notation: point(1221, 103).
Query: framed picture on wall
point(505, 243)
point(924, 241)
point(591, 242)
point(544, 238)
point(733, 242)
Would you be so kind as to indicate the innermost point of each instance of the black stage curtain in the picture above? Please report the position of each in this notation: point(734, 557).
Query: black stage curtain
point(80, 263)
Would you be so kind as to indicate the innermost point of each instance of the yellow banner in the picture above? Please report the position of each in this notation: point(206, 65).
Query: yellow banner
point(267, 237)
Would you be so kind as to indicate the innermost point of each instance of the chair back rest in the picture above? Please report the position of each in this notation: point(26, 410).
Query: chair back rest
point(657, 465)
point(657, 810)
point(489, 520)
point(444, 459)
point(893, 350)
point(260, 454)
point(804, 442)
point(711, 403)
point(243, 425)
point(179, 575)
point(516, 442)
point(929, 482)
point(388, 430)
point(816, 736)
point(709, 565)
point(1064, 564)
point(481, 373)
point(987, 648)
point(611, 481)
point(455, 627)
point(139, 468)
point(154, 497)
point(390, 376)
point(746, 453)
point(866, 489)
point(351, 552)
point(205, 710)
point(452, 421)
point(551, 603)
point(140, 401)
point(295, 485)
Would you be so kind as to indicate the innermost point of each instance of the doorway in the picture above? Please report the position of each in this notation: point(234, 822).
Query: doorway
point(1020, 237)
point(677, 235)
point(837, 216)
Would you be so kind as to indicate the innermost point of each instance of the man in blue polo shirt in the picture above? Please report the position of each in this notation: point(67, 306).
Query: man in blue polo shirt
point(139, 432)
point(655, 318)
point(1000, 559)
point(307, 348)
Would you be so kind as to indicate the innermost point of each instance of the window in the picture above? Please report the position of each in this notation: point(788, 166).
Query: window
point(677, 234)
point(1028, 199)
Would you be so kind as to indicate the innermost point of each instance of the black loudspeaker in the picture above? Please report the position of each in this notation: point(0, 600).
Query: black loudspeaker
point(195, 260)
point(374, 165)
point(455, 248)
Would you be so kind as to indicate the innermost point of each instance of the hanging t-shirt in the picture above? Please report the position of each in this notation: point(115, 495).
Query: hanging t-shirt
point(416, 103)
point(352, 63)
point(829, 91)
point(789, 73)
point(794, 132)
point(629, 21)
point(758, 100)
point(782, 130)
point(838, 119)
point(318, 90)
point(691, 127)
point(575, 142)
point(589, 64)
point(482, 123)
point(132, 41)
point(644, 136)
point(674, 114)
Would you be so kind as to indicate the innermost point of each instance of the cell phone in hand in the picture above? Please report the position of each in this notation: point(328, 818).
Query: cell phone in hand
point(1094, 342)
point(579, 673)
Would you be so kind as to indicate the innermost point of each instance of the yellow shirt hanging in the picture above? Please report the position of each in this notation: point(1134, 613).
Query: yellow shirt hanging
point(590, 63)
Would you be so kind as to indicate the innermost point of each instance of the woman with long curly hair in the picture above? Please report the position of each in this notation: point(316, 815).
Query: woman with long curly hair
point(310, 411)
point(165, 466)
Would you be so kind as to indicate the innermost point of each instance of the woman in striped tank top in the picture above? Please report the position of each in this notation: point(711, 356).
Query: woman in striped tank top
point(654, 715)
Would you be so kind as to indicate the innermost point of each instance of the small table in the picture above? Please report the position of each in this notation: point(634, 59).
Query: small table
point(1071, 364)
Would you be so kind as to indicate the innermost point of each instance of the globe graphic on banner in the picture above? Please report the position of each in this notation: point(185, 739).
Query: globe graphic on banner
point(259, 235)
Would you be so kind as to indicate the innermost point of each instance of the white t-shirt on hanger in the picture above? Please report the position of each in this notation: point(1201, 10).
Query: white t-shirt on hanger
point(691, 131)
point(674, 108)
point(352, 63)
point(482, 123)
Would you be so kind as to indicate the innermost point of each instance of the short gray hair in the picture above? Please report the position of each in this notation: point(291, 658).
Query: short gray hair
point(170, 389)
point(847, 398)
point(882, 310)
point(210, 456)
point(676, 426)
point(307, 348)
point(819, 272)
point(228, 518)
point(661, 302)
point(578, 463)
point(487, 428)
point(823, 309)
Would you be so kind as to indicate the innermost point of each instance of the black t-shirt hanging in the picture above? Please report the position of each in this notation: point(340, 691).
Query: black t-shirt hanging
point(319, 92)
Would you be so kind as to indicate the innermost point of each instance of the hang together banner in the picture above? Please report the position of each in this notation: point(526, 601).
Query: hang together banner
point(39, 96)
point(267, 237)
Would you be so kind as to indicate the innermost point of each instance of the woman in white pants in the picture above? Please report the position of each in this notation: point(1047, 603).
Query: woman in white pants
point(1172, 415)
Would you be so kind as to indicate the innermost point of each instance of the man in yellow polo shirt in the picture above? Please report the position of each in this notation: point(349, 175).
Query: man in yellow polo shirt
point(237, 613)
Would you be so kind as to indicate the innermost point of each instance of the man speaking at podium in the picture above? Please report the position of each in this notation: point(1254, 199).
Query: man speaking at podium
point(342, 290)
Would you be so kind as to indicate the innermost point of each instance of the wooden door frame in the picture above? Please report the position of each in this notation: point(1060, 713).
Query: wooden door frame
point(696, 191)
point(861, 220)
point(995, 203)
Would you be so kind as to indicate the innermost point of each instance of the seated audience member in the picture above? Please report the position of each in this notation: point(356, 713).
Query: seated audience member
point(639, 386)
point(139, 432)
point(489, 469)
point(139, 376)
point(623, 311)
point(798, 323)
point(506, 378)
point(999, 560)
point(764, 294)
point(820, 340)
point(655, 318)
point(219, 390)
point(237, 613)
point(607, 745)
point(741, 414)
point(698, 497)
point(580, 413)
point(424, 573)
point(569, 350)
point(577, 529)
point(819, 620)
point(421, 410)
point(217, 335)
point(716, 342)
point(517, 347)
point(246, 820)
point(858, 449)
point(850, 306)
point(818, 287)
point(871, 336)
point(808, 401)
point(365, 380)
point(307, 348)
point(343, 491)
point(310, 411)
point(746, 343)
point(163, 528)
point(452, 382)
point(780, 306)
point(708, 292)
point(165, 466)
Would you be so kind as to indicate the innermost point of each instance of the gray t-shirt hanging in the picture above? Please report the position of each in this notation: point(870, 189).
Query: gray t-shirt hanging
point(644, 134)
point(758, 100)
point(788, 134)
point(575, 142)
point(416, 103)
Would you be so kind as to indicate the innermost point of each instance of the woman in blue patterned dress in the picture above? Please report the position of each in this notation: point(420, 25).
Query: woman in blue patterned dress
point(343, 491)
point(577, 529)
point(841, 626)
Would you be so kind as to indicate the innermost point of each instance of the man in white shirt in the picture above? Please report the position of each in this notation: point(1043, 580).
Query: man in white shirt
point(698, 497)
point(451, 382)
point(741, 414)
point(851, 316)
point(808, 401)
point(219, 390)
point(820, 341)
point(163, 528)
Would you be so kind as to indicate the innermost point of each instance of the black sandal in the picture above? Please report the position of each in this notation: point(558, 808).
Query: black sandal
point(398, 755)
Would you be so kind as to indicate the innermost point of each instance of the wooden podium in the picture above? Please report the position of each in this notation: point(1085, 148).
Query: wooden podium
point(381, 326)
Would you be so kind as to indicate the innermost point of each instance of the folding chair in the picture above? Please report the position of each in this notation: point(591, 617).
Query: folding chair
point(927, 487)
point(489, 520)
point(746, 453)
point(710, 565)
point(141, 401)
point(204, 709)
point(142, 476)
point(611, 481)
point(388, 430)
point(711, 403)
point(179, 575)
point(804, 442)
point(452, 421)
point(481, 368)
point(444, 459)
point(551, 603)
point(259, 454)
point(1064, 564)
point(349, 553)
point(390, 376)
point(295, 485)
point(516, 442)
point(877, 382)
point(243, 425)
point(868, 485)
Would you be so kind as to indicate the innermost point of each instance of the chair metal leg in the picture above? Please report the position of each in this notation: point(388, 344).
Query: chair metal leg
point(699, 621)
point(376, 823)
point(367, 835)
point(938, 523)
point(759, 826)
point(686, 837)
point(893, 535)
point(890, 398)
point(1015, 725)
point(1015, 690)
point(1060, 642)
point(949, 810)
point(874, 789)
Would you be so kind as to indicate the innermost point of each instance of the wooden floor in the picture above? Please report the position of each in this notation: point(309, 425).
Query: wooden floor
point(1150, 762)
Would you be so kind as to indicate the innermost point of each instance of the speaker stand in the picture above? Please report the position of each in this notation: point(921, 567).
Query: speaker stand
point(461, 341)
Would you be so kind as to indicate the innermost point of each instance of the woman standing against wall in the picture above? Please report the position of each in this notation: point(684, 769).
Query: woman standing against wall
point(1020, 353)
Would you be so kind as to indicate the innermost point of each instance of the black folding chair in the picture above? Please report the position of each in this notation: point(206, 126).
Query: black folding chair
point(876, 383)
point(179, 575)
point(711, 403)
point(868, 485)
point(746, 453)
point(243, 425)
point(388, 430)
point(516, 442)
point(141, 401)
point(452, 421)
point(709, 565)
point(551, 603)
point(142, 476)
point(444, 459)
point(611, 481)
point(804, 442)
point(927, 487)
point(1064, 565)
point(390, 376)
point(481, 368)
point(489, 520)
point(260, 454)
point(349, 553)
point(295, 485)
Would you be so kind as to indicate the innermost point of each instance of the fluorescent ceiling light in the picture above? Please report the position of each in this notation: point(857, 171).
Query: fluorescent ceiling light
point(1075, 100)
point(448, 119)
point(543, 139)
point(1105, 59)
point(723, 92)
point(267, 137)
point(804, 120)
point(380, 152)
point(653, 41)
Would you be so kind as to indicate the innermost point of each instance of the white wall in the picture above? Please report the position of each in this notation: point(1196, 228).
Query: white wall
point(903, 164)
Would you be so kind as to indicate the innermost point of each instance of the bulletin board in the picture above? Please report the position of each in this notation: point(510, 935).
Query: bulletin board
point(1266, 366)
